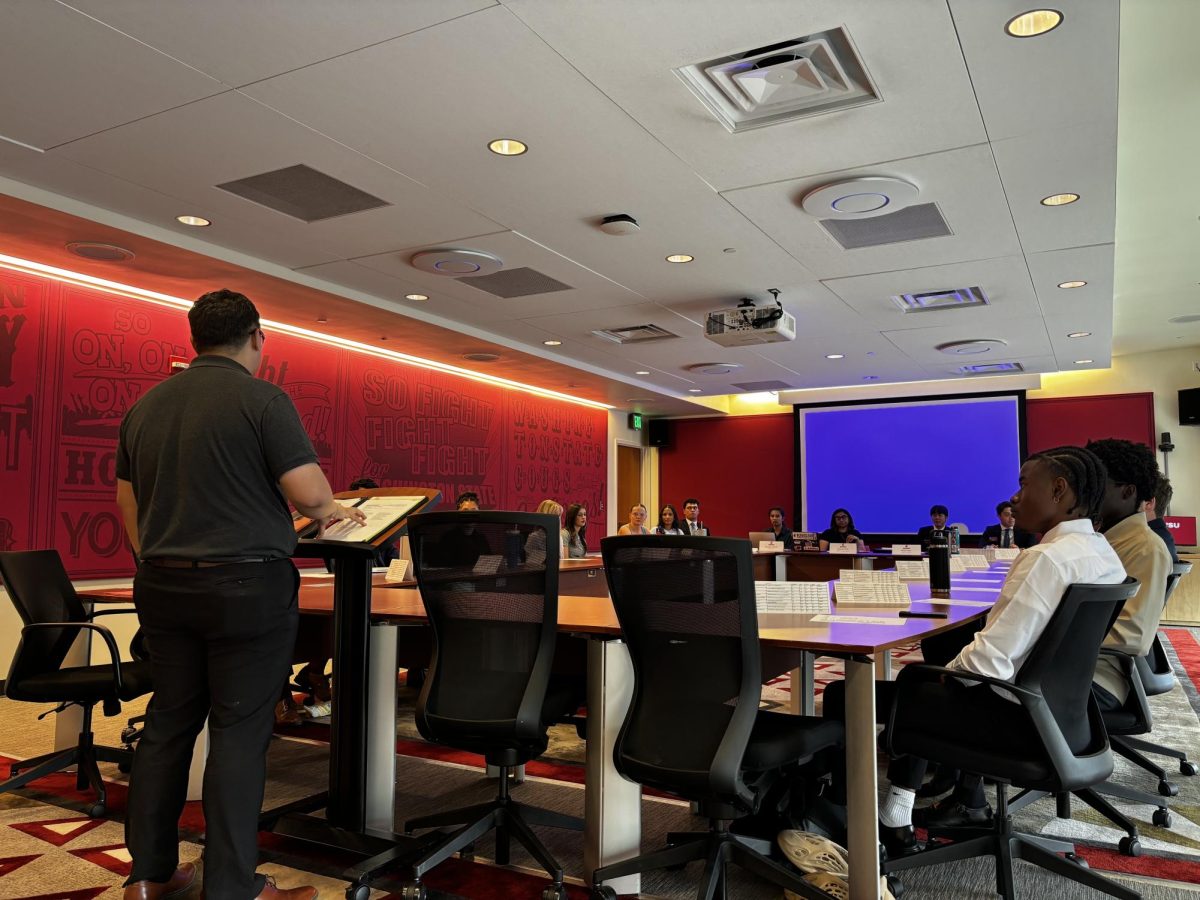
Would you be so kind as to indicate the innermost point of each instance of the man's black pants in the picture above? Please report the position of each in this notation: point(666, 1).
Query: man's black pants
point(220, 642)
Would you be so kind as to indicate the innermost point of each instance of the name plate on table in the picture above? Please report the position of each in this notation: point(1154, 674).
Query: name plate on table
point(805, 540)
point(906, 549)
point(770, 546)
point(396, 570)
point(848, 549)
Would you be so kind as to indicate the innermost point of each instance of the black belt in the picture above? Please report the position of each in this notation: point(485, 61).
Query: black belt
point(206, 563)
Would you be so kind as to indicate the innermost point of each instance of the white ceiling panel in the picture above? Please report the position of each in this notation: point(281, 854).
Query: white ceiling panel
point(963, 183)
point(1022, 84)
point(1096, 346)
point(239, 42)
point(629, 50)
point(950, 369)
point(1022, 340)
point(230, 137)
point(66, 75)
point(1081, 160)
point(1091, 264)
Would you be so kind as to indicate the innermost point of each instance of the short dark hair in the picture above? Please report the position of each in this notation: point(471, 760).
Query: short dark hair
point(1002, 506)
point(937, 509)
point(1163, 492)
point(780, 509)
point(464, 497)
point(1128, 463)
point(691, 500)
point(222, 320)
point(363, 484)
point(1084, 473)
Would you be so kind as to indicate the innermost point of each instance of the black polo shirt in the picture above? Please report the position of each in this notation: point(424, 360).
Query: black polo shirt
point(204, 451)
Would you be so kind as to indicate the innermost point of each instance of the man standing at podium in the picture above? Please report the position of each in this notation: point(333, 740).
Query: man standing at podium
point(206, 464)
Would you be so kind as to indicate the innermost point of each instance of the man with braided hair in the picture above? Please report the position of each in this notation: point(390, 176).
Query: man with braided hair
point(1132, 478)
point(1060, 491)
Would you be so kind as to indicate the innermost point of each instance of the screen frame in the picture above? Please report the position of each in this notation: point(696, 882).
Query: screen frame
point(798, 446)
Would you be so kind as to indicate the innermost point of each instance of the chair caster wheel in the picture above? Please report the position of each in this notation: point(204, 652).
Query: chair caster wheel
point(603, 892)
point(1078, 860)
point(555, 892)
point(1130, 846)
point(358, 892)
point(896, 886)
point(97, 810)
point(1161, 818)
point(414, 890)
point(1167, 789)
point(467, 853)
point(1186, 767)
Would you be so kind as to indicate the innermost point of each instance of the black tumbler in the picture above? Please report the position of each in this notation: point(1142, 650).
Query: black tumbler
point(939, 564)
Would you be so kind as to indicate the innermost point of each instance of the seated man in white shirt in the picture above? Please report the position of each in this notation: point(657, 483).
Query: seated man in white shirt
point(1060, 491)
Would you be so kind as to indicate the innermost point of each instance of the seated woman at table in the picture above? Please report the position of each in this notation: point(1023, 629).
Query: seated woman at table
point(574, 535)
point(779, 527)
point(535, 544)
point(668, 521)
point(1060, 492)
point(637, 521)
point(841, 530)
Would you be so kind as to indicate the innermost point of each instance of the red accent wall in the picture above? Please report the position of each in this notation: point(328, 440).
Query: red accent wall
point(1062, 421)
point(73, 360)
point(737, 468)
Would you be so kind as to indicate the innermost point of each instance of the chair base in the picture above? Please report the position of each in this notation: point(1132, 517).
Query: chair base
point(1129, 845)
point(1006, 845)
point(508, 818)
point(85, 756)
point(718, 848)
point(1132, 749)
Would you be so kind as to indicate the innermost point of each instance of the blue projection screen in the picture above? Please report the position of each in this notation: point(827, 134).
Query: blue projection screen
point(888, 463)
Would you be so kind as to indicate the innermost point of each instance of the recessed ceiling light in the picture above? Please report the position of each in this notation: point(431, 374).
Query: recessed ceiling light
point(196, 221)
point(1033, 23)
point(1082, 362)
point(416, 296)
point(680, 258)
point(695, 390)
point(1067, 285)
point(1079, 334)
point(508, 147)
point(552, 343)
point(835, 355)
point(321, 320)
point(641, 372)
point(1059, 199)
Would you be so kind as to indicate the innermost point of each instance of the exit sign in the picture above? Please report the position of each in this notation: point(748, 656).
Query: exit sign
point(635, 421)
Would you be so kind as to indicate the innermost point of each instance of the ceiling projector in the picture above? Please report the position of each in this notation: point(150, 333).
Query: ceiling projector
point(746, 325)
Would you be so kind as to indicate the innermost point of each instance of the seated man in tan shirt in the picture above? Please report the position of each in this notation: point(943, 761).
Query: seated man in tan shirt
point(1132, 477)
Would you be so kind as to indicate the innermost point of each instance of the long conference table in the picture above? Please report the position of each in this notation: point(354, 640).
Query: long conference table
point(612, 817)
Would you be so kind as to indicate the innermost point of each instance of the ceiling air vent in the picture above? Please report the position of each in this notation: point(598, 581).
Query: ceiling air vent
point(634, 334)
point(914, 223)
point(805, 76)
point(930, 301)
point(522, 282)
point(991, 368)
point(758, 386)
point(303, 193)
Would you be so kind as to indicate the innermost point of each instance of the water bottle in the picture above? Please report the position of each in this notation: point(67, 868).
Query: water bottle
point(512, 549)
point(954, 540)
point(939, 564)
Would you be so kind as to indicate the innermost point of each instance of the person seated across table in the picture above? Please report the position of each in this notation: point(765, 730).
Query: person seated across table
point(668, 521)
point(1156, 507)
point(535, 544)
point(841, 530)
point(637, 521)
point(691, 524)
point(1060, 492)
point(938, 514)
point(461, 546)
point(1006, 533)
point(779, 527)
point(574, 533)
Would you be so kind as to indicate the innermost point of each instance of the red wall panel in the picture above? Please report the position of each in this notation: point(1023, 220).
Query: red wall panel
point(737, 468)
point(73, 360)
point(1061, 421)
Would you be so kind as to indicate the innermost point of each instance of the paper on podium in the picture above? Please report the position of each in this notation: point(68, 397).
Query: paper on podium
point(381, 512)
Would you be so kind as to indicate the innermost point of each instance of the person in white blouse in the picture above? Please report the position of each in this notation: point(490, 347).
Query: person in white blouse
point(1060, 492)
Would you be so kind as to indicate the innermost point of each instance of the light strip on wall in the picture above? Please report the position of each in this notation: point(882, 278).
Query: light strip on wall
point(33, 268)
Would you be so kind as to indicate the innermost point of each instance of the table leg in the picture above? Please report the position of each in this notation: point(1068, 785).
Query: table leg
point(380, 811)
point(803, 698)
point(883, 663)
point(612, 828)
point(862, 779)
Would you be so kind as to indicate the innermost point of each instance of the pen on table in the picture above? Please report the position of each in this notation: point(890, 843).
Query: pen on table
point(905, 614)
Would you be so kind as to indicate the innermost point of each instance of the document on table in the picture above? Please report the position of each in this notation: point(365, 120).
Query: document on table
point(987, 590)
point(945, 601)
point(877, 594)
point(1007, 552)
point(381, 512)
point(859, 620)
point(792, 597)
point(913, 569)
point(870, 576)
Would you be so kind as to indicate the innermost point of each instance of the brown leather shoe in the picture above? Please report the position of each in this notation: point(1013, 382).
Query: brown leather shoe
point(183, 878)
point(271, 892)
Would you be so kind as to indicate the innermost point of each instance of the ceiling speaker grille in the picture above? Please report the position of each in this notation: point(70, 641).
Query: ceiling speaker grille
point(915, 223)
point(303, 193)
point(523, 282)
point(763, 385)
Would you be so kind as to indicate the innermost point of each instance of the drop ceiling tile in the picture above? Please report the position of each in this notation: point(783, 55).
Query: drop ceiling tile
point(1022, 339)
point(240, 42)
point(1029, 364)
point(1091, 264)
point(66, 75)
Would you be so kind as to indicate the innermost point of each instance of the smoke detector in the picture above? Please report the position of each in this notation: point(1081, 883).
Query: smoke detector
point(712, 368)
point(859, 198)
point(971, 347)
point(619, 224)
point(457, 263)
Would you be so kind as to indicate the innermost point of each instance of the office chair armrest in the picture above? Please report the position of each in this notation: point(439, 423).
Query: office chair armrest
point(109, 641)
point(924, 672)
point(1127, 665)
point(95, 614)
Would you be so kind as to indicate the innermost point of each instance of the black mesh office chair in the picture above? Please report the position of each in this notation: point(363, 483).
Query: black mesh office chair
point(1068, 746)
point(53, 617)
point(694, 728)
point(489, 688)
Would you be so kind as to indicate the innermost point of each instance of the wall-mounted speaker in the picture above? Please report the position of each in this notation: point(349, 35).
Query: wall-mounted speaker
point(1189, 407)
point(657, 434)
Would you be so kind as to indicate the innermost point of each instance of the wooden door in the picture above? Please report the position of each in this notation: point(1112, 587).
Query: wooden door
point(629, 483)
